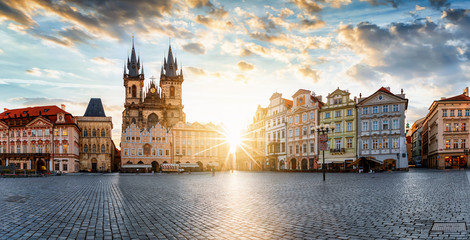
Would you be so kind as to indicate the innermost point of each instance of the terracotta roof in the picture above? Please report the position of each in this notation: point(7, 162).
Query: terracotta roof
point(48, 112)
point(385, 90)
point(460, 97)
point(288, 103)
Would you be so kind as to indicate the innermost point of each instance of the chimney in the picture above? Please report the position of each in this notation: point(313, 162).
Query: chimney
point(465, 91)
point(360, 95)
point(5, 109)
point(402, 91)
point(62, 106)
point(388, 88)
point(442, 98)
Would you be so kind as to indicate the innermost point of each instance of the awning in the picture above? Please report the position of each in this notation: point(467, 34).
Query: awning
point(136, 166)
point(189, 165)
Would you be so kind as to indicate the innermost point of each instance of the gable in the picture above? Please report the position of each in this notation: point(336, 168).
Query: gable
point(39, 122)
point(381, 97)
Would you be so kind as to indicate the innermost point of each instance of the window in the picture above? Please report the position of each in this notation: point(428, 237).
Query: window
point(327, 115)
point(385, 125)
point(375, 109)
point(18, 149)
point(65, 167)
point(463, 127)
point(283, 134)
point(140, 151)
point(33, 133)
point(304, 117)
point(365, 126)
point(444, 113)
point(283, 147)
point(304, 131)
point(349, 143)
point(312, 130)
point(167, 152)
point(94, 148)
point(375, 144)
point(312, 115)
point(395, 108)
point(64, 132)
point(456, 143)
point(103, 149)
point(134, 91)
point(395, 143)
point(338, 143)
point(64, 148)
point(290, 149)
point(385, 143)
point(349, 126)
point(296, 149)
point(395, 124)
point(375, 125)
point(172, 91)
point(85, 149)
point(297, 132)
point(94, 133)
point(365, 145)
point(365, 110)
point(24, 133)
point(312, 148)
point(349, 112)
point(338, 113)
point(338, 127)
point(46, 132)
point(459, 113)
point(24, 149)
point(103, 132)
point(290, 132)
point(456, 127)
point(304, 150)
point(57, 167)
point(452, 113)
point(467, 112)
point(463, 143)
point(297, 119)
point(385, 108)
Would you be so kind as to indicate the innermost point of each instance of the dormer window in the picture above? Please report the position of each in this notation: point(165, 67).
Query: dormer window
point(46, 110)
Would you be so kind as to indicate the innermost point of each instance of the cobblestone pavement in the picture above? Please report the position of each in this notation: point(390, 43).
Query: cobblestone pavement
point(242, 205)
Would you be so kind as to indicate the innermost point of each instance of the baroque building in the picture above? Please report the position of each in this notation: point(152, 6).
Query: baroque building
point(339, 111)
point(44, 138)
point(256, 133)
point(150, 113)
point(96, 144)
point(381, 129)
point(445, 133)
point(303, 117)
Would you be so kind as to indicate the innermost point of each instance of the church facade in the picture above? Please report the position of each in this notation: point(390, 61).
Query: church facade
point(150, 112)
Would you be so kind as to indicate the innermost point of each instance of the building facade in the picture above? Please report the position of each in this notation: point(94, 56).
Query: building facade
point(416, 141)
point(381, 128)
point(445, 133)
point(276, 127)
point(96, 144)
point(303, 117)
point(149, 112)
point(256, 133)
point(201, 144)
point(42, 138)
point(340, 111)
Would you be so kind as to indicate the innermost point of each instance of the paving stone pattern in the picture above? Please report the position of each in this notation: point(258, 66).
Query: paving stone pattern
point(242, 205)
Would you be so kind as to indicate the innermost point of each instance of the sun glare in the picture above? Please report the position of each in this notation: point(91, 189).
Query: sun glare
point(233, 138)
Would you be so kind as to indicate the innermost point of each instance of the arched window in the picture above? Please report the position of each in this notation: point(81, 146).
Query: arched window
point(133, 120)
point(107, 147)
point(85, 148)
point(102, 132)
point(103, 150)
point(85, 133)
point(129, 90)
point(172, 91)
point(94, 133)
point(152, 120)
point(134, 91)
point(94, 148)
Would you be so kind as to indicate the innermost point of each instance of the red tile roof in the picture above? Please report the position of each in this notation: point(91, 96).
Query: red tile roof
point(460, 97)
point(385, 90)
point(288, 103)
point(49, 112)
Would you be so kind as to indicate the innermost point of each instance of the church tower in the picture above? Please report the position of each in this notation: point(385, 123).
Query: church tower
point(171, 82)
point(133, 85)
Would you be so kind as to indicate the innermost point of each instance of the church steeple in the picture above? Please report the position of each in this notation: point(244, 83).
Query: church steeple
point(133, 65)
point(169, 65)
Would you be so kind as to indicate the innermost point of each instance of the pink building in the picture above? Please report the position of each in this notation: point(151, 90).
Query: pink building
point(42, 138)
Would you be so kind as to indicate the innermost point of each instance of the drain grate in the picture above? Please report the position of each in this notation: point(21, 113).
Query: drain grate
point(449, 227)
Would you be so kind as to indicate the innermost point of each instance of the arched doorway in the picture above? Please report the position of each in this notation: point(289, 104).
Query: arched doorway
point(155, 166)
point(41, 166)
point(282, 165)
point(304, 164)
point(293, 164)
point(94, 165)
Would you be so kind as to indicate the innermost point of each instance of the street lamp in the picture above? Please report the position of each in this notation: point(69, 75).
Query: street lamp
point(323, 139)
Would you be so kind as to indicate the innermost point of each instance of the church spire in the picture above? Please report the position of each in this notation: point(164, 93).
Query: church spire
point(169, 64)
point(133, 65)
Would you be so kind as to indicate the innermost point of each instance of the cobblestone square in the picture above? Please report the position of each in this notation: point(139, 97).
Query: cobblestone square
point(240, 205)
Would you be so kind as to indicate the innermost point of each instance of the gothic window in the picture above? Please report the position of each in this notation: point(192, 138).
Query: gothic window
point(134, 91)
point(103, 149)
point(147, 149)
point(133, 120)
point(85, 149)
point(152, 120)
point(85, 133)
point(94, 132)
point(172, 91)
point(94, 148)
point(102, 132)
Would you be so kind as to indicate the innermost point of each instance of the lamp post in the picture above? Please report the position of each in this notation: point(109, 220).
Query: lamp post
point(323, 139)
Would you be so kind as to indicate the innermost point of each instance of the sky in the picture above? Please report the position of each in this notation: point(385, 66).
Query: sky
point(235, 54)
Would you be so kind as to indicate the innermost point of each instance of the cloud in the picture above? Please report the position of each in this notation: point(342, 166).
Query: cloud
point(196, 71)
point(241, 78)
point(307, 6)
point(1, 51)
point(102, 60)
point(199, 3)
point(308, 72)
point(422, 49)
point(34, 71)
point(363, 73)
point(51, 73)
point(213, 23)
point(393, 3)
point(42, 101)
point(307, 24)
point(439, 3)
point(195, 48)
point(244, 66)
point(419, 8)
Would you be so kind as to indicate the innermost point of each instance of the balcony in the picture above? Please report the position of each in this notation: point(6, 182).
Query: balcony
point(337, 151)
point(447, 132)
